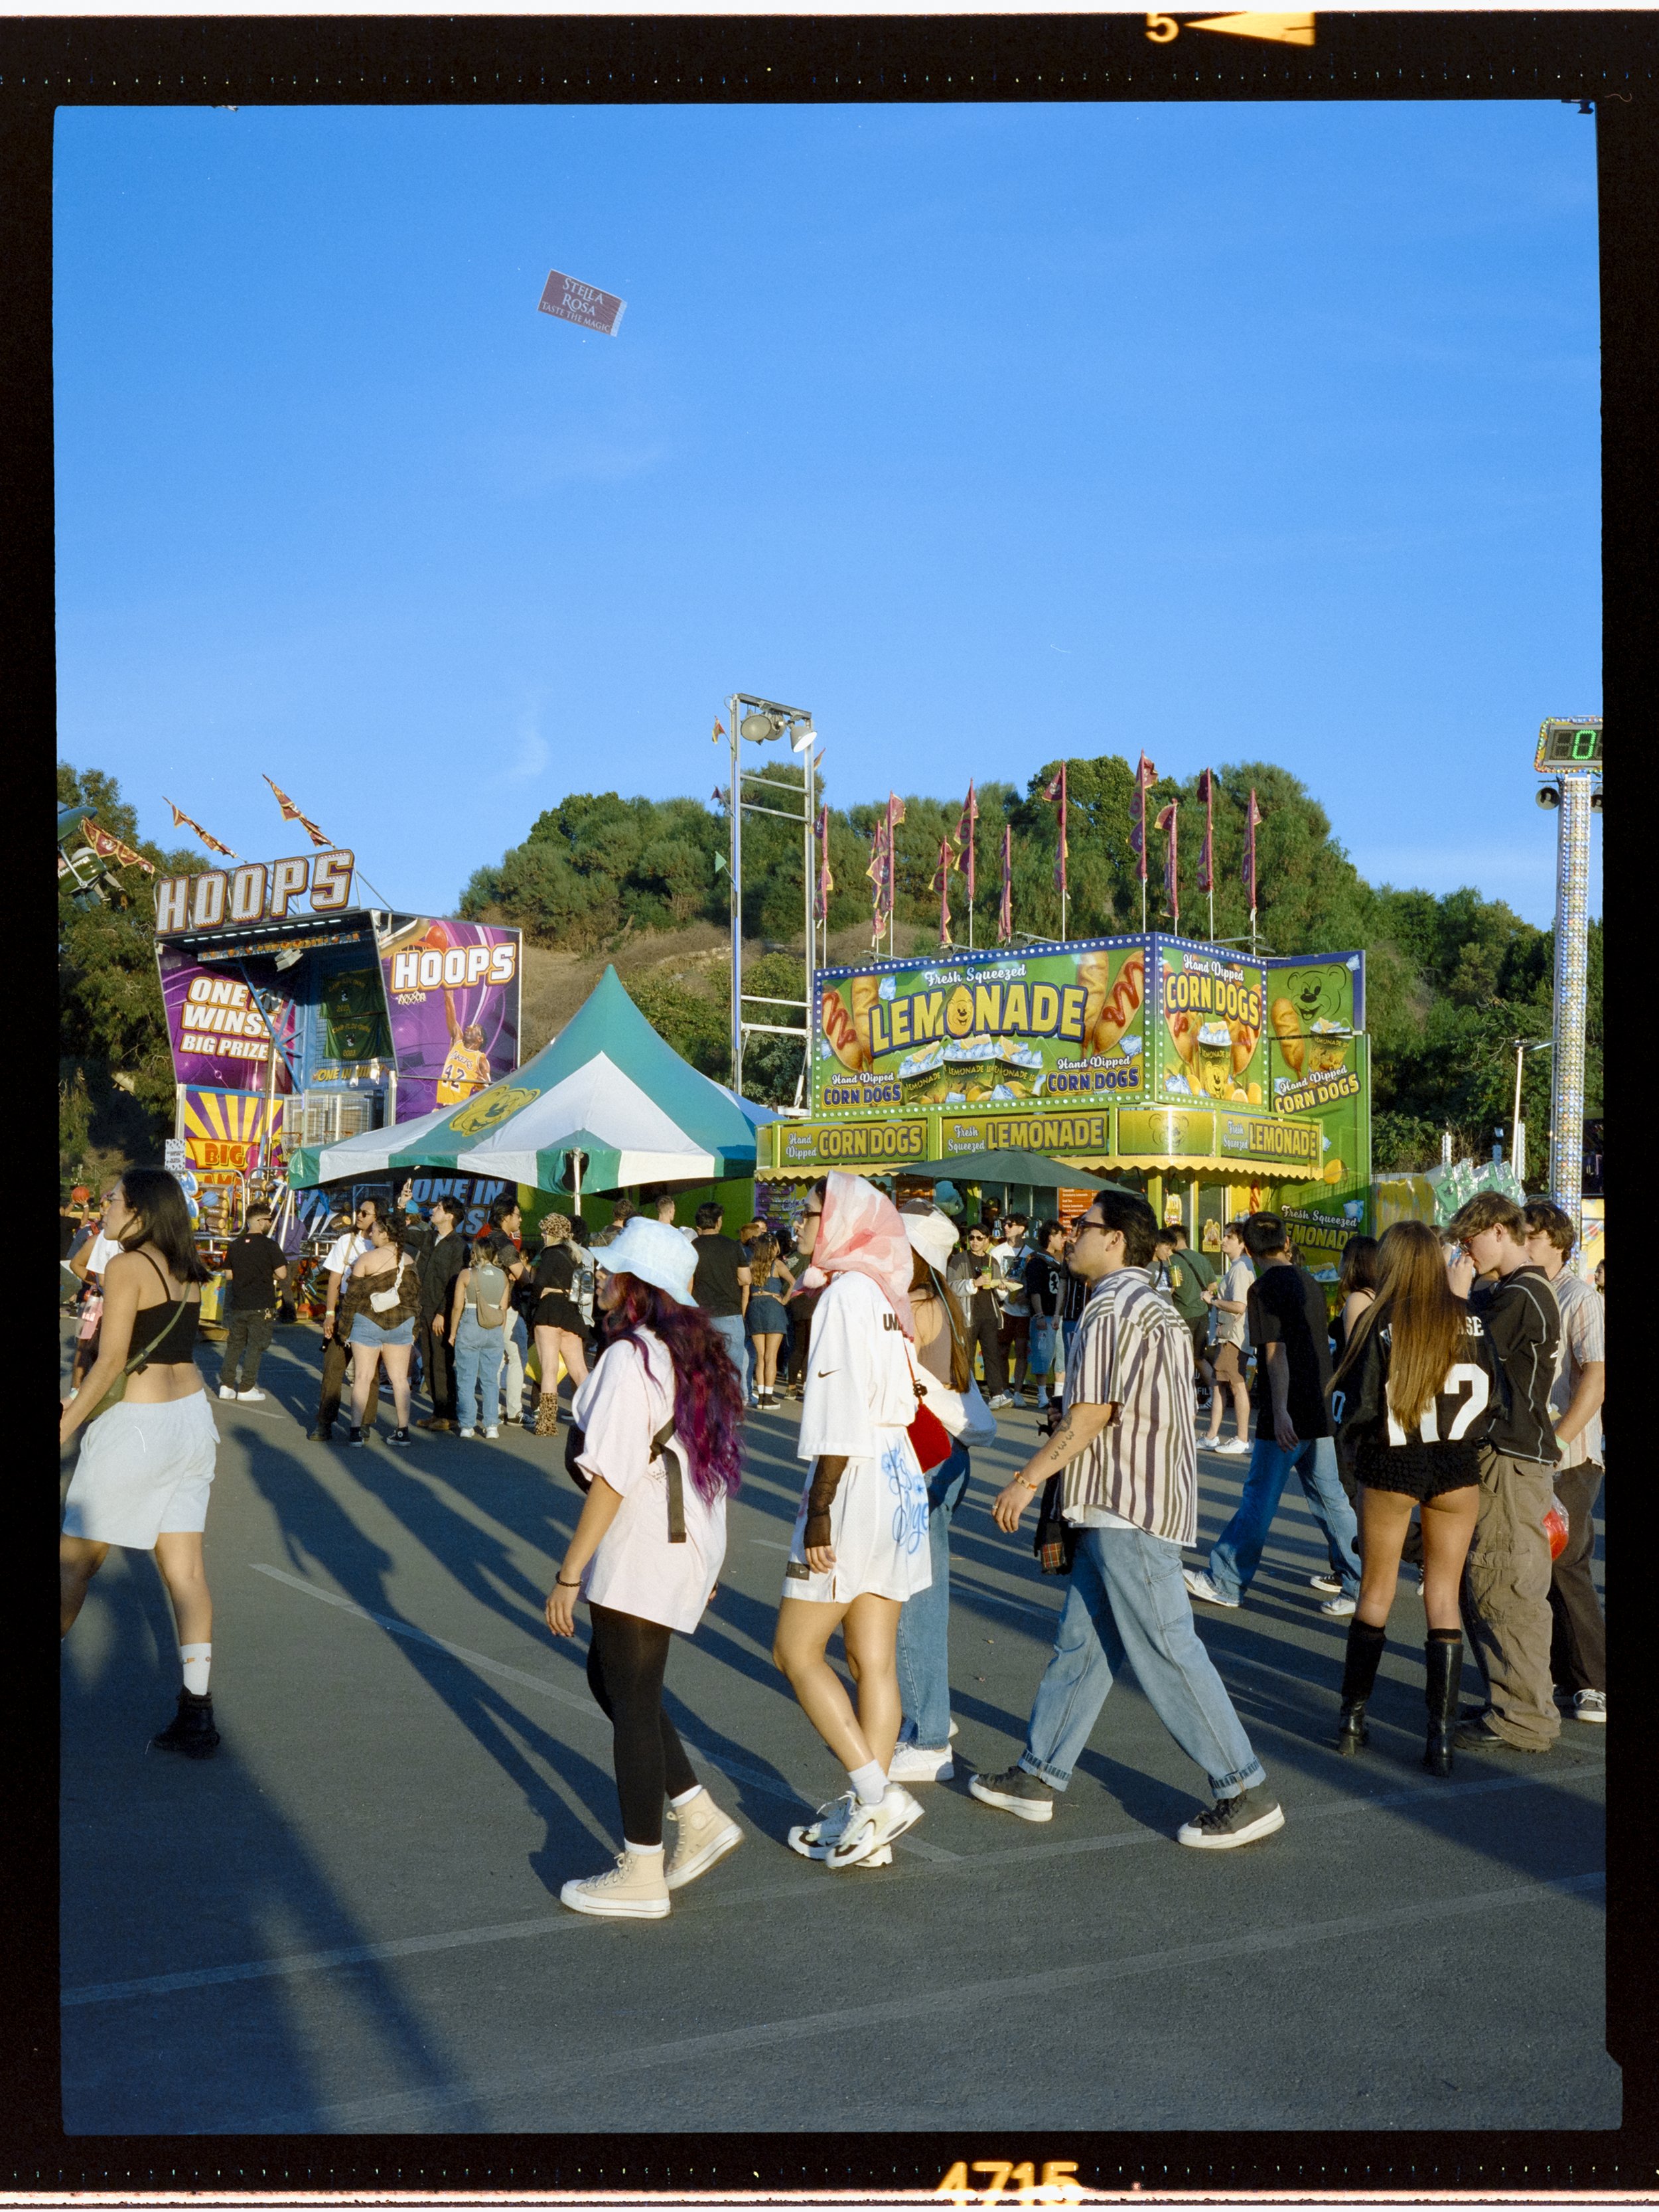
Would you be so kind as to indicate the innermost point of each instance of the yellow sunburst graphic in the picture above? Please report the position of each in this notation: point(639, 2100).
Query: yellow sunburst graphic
point(221, 1127)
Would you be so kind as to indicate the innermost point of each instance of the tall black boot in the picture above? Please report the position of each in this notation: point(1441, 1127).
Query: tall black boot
point(1443, 1654)
point(1359, 1673)
point(191, 1730)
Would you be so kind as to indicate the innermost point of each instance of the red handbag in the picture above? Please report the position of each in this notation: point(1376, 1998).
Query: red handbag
point(931, 1441)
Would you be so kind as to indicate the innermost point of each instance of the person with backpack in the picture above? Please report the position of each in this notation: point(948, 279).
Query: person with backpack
point(478, 1322)
point(656, 1441)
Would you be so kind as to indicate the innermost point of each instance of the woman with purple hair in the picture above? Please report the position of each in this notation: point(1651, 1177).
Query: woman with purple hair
point(657, 1429)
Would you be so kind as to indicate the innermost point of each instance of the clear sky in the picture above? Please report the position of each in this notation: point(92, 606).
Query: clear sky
point(988, 433)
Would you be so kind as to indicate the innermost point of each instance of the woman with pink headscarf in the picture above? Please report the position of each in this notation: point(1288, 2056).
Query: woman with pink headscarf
point(860, 1541)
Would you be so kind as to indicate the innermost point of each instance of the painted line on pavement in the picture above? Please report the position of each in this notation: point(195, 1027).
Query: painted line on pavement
point(796, 1890)
point(963, 2001)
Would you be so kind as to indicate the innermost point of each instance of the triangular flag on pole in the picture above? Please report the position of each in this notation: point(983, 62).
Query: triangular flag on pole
point(291, 813)
point(182, 821)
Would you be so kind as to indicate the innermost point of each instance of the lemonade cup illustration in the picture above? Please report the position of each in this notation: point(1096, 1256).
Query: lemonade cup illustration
point(1214, 1059)
point(1327, 1047)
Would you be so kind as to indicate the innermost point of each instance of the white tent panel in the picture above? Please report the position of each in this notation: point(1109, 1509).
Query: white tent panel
point(596, 1102)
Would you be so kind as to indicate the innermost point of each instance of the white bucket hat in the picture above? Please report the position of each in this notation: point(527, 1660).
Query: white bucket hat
point(933, 1234)
point(656, 1253)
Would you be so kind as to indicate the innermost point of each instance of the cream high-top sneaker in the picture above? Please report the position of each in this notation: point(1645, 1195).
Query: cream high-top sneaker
point(633, 1890)
point(705, 1833)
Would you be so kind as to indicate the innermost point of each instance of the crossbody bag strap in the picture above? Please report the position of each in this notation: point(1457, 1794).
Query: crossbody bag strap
point(663, 1449)
point(136, 1366)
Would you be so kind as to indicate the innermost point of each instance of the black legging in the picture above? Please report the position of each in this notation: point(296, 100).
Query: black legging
point(625, 1661)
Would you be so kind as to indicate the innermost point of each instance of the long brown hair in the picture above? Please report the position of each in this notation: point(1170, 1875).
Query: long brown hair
point(927, 1282)
point(1425, 1317)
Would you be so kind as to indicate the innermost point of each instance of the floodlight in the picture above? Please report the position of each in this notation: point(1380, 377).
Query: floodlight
point(759, 727)
point(804, 737)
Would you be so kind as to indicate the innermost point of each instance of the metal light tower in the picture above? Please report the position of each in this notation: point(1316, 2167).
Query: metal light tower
point(758, 722)
point(1570, 754)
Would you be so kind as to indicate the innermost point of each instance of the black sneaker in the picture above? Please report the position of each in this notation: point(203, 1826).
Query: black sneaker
point(398, 1436)
point(191, 1730)
point(1023, 1794)
point(356, 1437)
point(1231, 1821)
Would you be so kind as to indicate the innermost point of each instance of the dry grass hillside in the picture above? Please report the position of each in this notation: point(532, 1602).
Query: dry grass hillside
point(556, 983)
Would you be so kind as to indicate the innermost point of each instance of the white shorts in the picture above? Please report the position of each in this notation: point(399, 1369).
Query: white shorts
point(879, 1529)
point(143, 1471)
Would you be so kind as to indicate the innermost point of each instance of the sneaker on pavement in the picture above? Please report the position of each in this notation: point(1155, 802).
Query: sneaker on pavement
point(914, 1762)
point(356, 1436)
point(492, 1433)
point(319, 1436)
point(225, 1390)
point(634, 1889)
point(1235, 1448)
point(1025, 1796)
point(1330, 1585)
point(251, 1397)
point(998, 1403)
point(1591, 1705)
point(1205, 1590)
point(1480, 1735)
point(398, 1436)
point(1338, 1607)
point(466, 1432)
point(814, 1838)
point(1231, 1821)
point(871, 1826)
point(702, 1834)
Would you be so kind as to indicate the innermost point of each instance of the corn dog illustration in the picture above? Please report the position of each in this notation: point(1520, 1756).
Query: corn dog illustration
point(839, 1027)
point(1121, 1004)
point(1287, 1028)
point(1182, 1025)
point(1244, 1039)
point(866, 992)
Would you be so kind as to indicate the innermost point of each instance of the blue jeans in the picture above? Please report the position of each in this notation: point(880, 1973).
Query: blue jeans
point(478, 1356)
point(1127, 1601)
point(924, 1622)
point(1238, 1551)
point(731, 1327)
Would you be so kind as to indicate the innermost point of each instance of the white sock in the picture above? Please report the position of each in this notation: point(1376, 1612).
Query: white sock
point(685, 1797)
point(868, 1781)
point(643, 1850)
point(195, 1659)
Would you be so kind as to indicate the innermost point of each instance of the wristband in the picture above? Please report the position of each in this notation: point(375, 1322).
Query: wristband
point(559, 1582)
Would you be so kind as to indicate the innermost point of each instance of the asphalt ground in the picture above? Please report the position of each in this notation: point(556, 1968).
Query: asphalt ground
point(347, 1921)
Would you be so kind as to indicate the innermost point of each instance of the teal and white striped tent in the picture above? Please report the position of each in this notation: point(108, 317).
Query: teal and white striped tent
point(607, 1085)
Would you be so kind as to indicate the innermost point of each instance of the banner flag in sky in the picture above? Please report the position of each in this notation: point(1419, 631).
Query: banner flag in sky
point(1169, 822)
point(1058, 787)
point(1145, 777)
point(1252, 822)
point(826, 881)
point(1207, 850)
point(291, 813)
point(1006, 911)
point(967, 825)
point(585, 304)
point(941, 883)
point(182, 821)
point(877, 873)
point(720, 730)
point(111, 849)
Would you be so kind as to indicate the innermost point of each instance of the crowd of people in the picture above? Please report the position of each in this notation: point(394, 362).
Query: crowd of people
point(1448, 1407)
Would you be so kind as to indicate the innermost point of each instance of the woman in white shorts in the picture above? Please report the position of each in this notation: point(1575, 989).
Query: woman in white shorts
point(146, 1464)
point(861, 1540)
point(658, 1429)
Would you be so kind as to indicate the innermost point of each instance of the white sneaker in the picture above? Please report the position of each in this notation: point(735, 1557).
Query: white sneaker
point(953, 1727)
point(914, 1762)
point(1206, 1591)
point(1001, 1399)
point(491, 1434)
point(872, 1825)
point(813, 1839)
point(1338, 1607)
point(1591, 1706)
point(1235, 1448)
point(252, 1397)
point(703, 1833)
point(634, 1889)
point(225, 1390)
point(466, 1432)
point(1327, 1585)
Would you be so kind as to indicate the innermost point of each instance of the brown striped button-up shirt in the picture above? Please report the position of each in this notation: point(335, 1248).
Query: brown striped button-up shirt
point(1133, 1350)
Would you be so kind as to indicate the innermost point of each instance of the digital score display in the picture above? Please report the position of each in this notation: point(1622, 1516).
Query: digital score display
point(1568, 745)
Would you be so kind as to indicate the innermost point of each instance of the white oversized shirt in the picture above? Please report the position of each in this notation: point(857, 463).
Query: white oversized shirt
point(621, 1404)
point(344, 1253)
point(858, 1373)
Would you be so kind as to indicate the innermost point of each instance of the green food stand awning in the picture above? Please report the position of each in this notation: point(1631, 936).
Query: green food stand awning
point(1034, 1169)
point(607, 1086)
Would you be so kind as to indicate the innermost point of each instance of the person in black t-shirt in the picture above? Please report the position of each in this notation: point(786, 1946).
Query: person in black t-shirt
point(256, 1264)
point(1288, 1325)
point(720, 1288)
point(1045, 1294)
point(437, 1266)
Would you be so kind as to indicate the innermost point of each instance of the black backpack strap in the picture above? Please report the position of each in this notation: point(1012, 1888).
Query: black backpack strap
point(663, 1449)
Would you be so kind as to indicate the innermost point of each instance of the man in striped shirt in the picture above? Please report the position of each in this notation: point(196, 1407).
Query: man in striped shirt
point(1129, 1492)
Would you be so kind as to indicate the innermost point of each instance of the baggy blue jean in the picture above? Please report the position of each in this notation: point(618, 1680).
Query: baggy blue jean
point(1127, 1601)
point(924, 1622)
point(730, 1327)
point(1237, 1551)
point(478, 1356)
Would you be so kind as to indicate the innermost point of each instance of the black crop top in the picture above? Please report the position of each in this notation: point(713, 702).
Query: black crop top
point(177, 1347)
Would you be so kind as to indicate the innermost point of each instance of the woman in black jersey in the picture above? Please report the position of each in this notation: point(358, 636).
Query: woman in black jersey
point(557, 1319)
point(146, 1463)
point(1411, 1399)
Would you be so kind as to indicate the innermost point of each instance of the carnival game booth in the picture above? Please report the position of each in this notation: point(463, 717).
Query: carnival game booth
point(607, 1107)
point(1214, 1082)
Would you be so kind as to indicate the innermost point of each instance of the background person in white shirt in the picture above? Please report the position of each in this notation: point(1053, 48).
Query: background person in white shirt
point(860, 1547)
point(661, 1425)
point(343, 1255)
point(1229, 1302)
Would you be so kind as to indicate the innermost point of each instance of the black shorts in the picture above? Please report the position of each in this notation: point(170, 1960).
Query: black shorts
point(1418, 1470)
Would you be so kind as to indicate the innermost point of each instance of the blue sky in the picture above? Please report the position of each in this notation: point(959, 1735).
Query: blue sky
point(988, 433)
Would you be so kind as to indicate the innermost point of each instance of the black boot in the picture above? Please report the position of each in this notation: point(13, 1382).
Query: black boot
point(1444, 1653)
point(1359, 1673)
point(191, 1730)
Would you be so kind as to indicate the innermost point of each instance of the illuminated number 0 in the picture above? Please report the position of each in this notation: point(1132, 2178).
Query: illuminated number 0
point(1583, 744)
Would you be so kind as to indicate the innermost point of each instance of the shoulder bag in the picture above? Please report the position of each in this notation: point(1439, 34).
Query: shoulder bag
point(662, 1448)
point(117, 1389)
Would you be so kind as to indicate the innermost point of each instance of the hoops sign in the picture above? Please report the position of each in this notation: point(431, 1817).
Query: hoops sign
point(258, 890)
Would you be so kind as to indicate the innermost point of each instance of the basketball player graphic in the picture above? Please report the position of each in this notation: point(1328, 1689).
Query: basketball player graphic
point(466, 1067)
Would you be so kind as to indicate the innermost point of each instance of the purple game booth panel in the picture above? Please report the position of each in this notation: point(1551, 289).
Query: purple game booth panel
point(452, 993)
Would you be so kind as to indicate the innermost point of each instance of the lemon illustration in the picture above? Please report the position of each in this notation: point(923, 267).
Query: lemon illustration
point(1334, 1171)
point(959, 1011)
point(1254, 1094)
